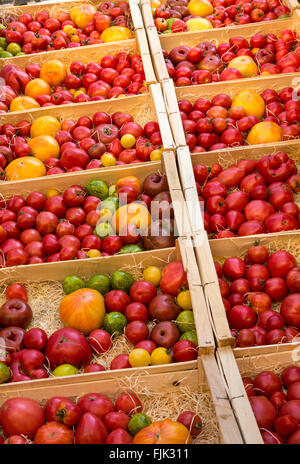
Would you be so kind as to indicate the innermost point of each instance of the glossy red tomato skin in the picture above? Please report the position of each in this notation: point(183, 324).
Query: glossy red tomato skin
point(116, 300)
point(142, 291)
point(290, 375)
point(291, 407)
point(234, 268)
point(173, 278)
point(264, 411)
point(276, 288)
point(293, 279)
point(184, 350)
point(280, 263)
point(272, 438)
point(16, 291)
point(60, 409)
point(266, 383)
point(290, 310)
point(257, 254)
point(241, 317)
point(278, 398)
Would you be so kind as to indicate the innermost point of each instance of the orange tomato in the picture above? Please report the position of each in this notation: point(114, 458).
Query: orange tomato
point(45, 125)
point(264, 132)
point(37, 87)
point(165, 432)
point(26, 167)
point(82, 15)
point(23, 103)
point(201, 8)
point(54, 433)
point(53, 72)
point(83, 310)
point(44, 147)
point(252, 103)
point(132, 213)
point(116, 33)
point(129, 181)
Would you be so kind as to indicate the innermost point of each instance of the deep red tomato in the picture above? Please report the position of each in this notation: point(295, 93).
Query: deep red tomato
point(293, 279)
point(191, 421)
point(116, 419)
point(266, 383)
point(234, 268)
point(257, 254)
point(290, 310)
point(142, 291)
point(241, 317)
point(60, 409)
point(184, 350)
point(278, 398)
point(264, 411)
point(276, 288)
point(280, 263)
point(116, 300)
point(258, 271)
point(136, 312)
point(100, 341)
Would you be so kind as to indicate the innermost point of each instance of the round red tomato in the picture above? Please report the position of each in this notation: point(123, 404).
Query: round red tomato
point(116, 300)
point(54, 433)
point(241, 317)
point(184, 350)
point(173, 278)
point(234, 268)
point(21, 416)
point(142, 291)
point(16, 291)
point(280, 263)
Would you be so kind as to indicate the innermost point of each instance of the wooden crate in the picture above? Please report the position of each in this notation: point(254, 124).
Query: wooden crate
point(192, 93)
point(233, 369)
point(54, 273)
point(203, 383)
point(221, 249)
point(159, 42)
point(143, 108)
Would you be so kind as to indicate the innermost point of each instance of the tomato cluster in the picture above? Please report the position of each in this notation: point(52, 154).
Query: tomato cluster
point(83, 25)
point(206, 62)
point(250, 197)
point(82, 221)
point(51, 84)
point(173, 15)
point(93, 418)
point(250, 286)
point(88, 143)
point(218, 124)
point(275, 400)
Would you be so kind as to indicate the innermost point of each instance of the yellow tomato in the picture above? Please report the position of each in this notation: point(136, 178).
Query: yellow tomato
point(45, 125)
point(198, 24)
point(128, 141)
point(139, 358)
point(108, 159)
point(65, 369)
point(264, 132)
point(82, 15)
point(116, 33)
point(78, 92)
point(255, 50)
point(155, 3)
point(37, 87)
point(265, 73)
point(184, 300)
point(153, 275)
point(155, 155)
point(245, 64)
point(44, 147)
point(69, 29)
point(52, 193)
point(23, 104)
point(132, 213)
point(72, 91)
point(26, 167)
point(53, 72)
point(93, 253)
point(251, 101)
point(160, 356)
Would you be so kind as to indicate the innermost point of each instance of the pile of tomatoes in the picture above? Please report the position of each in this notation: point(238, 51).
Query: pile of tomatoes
point(248, 118)
point(155, 318)
point(82, 25)
point(236, 59)
point(53, 83)
point(275, 400)
point(92, 419)
point(48, 147)
point(250, 197)
point(251, 286)
point(82, 221)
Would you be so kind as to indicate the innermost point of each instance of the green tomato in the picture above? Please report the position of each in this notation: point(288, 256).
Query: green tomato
point(4, 372)
point(97, 188)
point(99, 282)
point(5, 54)
point(3, 42)
point(72, 283)
point(65, 369)
point(104, 229)
point(13, 48)
point(130, 249)
point(121, 280)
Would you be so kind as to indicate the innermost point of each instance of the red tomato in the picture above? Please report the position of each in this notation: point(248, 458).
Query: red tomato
point(241, 317)
point(136, 331)
point(234, 268)
point(128, 403)
point(60, 409)
point(100, 341)
point(184, 350)
point(118, 437)
point(116, 420)
point(97, 404)
point(173, 278)
point(142, 291)
point(54, 433)
point(280, 263)
point(120, 362)
point(266, 383)
point(116, 300)
point(264, 411)
point(17, 291)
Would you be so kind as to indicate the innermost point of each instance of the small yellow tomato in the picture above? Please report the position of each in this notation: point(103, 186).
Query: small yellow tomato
point(52, 193)
point(93, 253)
point(184, 300)
point(72, 91)
point(82, 89)
point(139, 358)
point(65, 369)
point(265, 73)
point(128, 141)
point(153, 274)
point(155, 155)
point(160, 356)
point(108, 159)
point(255, 50)
point(78, 92)
point(69, 30)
